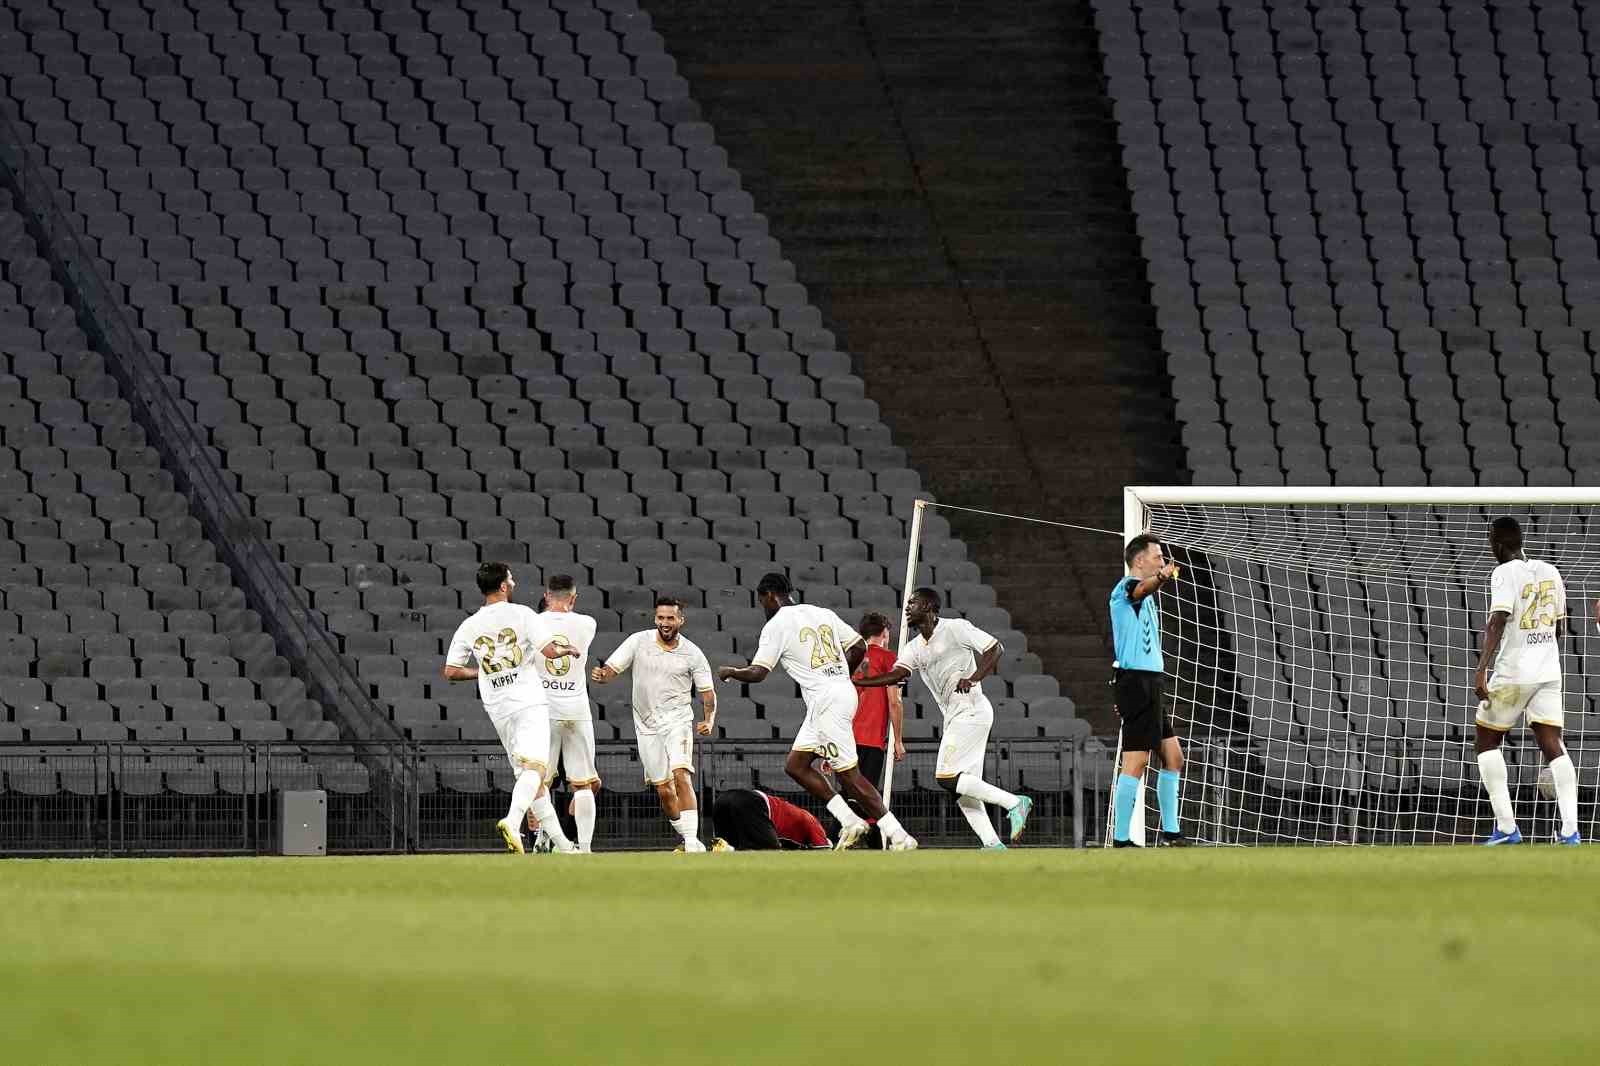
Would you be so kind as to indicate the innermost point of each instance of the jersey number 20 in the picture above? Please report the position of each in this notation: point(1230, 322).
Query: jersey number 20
point(824, 649)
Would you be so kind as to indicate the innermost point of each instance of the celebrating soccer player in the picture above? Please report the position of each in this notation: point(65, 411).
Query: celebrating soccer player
point(504, 637)
point(567, 689)
point(1139, 679)
point(1521, 646)
point(955, 656)
point(820, 651)
point(667, 668)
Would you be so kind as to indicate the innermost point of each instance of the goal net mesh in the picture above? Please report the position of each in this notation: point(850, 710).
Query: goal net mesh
point(1320, 662)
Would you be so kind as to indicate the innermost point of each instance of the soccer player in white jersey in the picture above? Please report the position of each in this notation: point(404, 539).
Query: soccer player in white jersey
point(820, 651)
point(1519, 675)
point(504, 638)
point(955, 656)
point(668, 668)
point(566, 686)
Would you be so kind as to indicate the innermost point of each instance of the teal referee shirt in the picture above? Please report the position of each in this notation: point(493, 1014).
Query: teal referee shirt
point(1136, 629)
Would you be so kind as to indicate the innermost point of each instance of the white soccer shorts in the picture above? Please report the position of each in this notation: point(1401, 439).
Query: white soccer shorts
point(525, 734)
point(829, 729)
point(965, 743)
point(665, 751)
point(1508, 704)
point(572, 744)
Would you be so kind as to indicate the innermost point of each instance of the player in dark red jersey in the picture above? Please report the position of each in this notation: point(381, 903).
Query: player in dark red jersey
point(748, 820)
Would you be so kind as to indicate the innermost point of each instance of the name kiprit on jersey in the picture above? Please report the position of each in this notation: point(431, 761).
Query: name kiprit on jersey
point(502, 680)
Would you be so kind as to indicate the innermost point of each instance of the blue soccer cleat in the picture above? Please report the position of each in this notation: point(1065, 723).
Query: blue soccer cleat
point(996, 846)
point(1573, 839)
point(1497, 837)
point(1017, 817)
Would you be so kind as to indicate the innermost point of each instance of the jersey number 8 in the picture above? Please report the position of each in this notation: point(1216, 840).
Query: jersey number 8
point(824, 649)
point(500, 652)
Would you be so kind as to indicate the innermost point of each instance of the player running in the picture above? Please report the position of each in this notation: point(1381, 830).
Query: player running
point(750, 820)
point(1521, 644)
point(566, 687)
point(503, 637)
point(667, 667)
point(954, 656)
point(820, 651)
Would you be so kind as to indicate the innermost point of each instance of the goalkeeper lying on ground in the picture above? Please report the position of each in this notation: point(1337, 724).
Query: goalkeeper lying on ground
point(748, 820)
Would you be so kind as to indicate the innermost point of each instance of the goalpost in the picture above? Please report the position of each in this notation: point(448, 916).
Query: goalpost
point(1320, 645)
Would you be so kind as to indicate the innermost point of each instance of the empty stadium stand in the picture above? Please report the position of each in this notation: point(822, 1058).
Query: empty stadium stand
point(443, 284)
point(1371, 234)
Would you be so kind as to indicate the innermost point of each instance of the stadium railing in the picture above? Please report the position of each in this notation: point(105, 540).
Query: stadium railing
point(218, 798)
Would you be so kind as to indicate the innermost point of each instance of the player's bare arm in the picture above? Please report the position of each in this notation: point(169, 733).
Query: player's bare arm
point(708, 704)
point(1491, 647)
point(855, 654)
point(601, 675)
point(897, 717)
point(459, 673)
point(749, 675)
point(987, 663)
point(893, 677)
point(559, 649)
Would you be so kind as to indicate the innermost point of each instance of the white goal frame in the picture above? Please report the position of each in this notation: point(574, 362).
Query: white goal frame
point(1135, 520)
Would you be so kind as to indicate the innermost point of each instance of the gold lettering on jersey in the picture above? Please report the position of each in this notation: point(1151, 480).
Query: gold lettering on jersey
point(824, 649)
point(559, 667)
point(503, 651)
point(1541, 610)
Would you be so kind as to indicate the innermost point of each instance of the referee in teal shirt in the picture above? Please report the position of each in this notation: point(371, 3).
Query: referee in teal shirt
point(1139, 686)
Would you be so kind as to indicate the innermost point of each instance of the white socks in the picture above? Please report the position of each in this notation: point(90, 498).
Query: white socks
point(522, 793)
point(1492, 768)
point(891, 828)
point(687, 823)
point(978, 817)
point(980, 790)
point(841, 810)
point(1565, 777)
point(583, 814)
point(545, 811)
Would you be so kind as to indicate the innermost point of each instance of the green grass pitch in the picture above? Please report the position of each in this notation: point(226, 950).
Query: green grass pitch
point(1364, 956)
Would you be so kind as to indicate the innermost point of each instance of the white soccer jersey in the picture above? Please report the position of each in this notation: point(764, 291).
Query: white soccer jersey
point(810, 642)
point(566, 680)
point(664, 679)
point(951, 655)
point(1534, 597)
point(501, 637)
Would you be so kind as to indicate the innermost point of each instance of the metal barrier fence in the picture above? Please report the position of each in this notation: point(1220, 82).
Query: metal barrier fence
point(120, 798)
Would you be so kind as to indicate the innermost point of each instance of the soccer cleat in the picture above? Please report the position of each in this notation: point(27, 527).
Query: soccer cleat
point(694, 847)
point(905, 843)
point(722, 845)
point(679, 850)
point(996, 846)
point(1125, 844)
point(1018, 817)
point(512, 835)
point(542, 844)
point(1573, 839)
point(849, 835)
point(1497, 837)
point(1172, 840)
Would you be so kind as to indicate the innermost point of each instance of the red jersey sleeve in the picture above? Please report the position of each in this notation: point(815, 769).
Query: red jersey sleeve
point(796, 825)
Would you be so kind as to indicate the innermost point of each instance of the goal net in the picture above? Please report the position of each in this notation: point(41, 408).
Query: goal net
point(1320, 647)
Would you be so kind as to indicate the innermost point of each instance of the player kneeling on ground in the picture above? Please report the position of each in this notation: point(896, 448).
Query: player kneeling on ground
point(750, 820)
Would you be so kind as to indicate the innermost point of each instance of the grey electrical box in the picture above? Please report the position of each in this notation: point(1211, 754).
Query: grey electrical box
point(303, 823)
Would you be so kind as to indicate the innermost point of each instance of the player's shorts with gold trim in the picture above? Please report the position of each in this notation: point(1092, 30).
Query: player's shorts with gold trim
point(965, 742)
point(1509, 704)
point(668, 749)
point(829, 729)
point(572, 745)
point(525, 734)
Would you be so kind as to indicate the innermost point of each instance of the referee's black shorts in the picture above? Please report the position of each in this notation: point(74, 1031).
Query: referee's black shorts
point(741, 818)
point(1141, 704)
